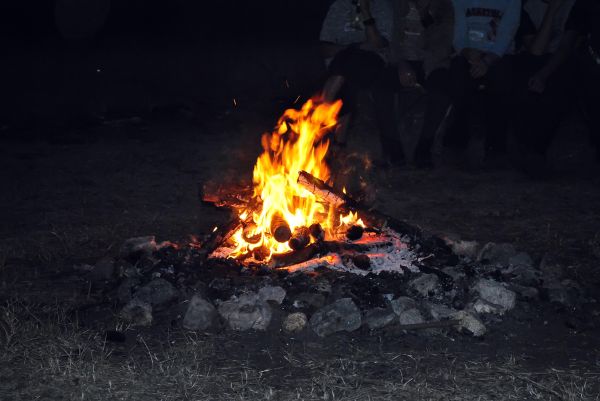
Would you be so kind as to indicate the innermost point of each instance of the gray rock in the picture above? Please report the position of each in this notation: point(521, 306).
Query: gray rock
point(377, 318)
point(138, 246)
point(470, 323)
point(439, 311)
point(309, 299)
point(137, 313)
point(411, 316)
point(295, 322)
point(157, 292)
point(402, 304)
point(483, 307)
point(460, 247)
point(200, 314)
point(455, 272)
point(246, 312)
point(426, 284)
point(521, 259)
point(497, 254)
point(525, 275)
point(272, 293)
point(322, 285)
point(526, 293)
point(495, 293)
point(342, 315)
point(126, 288)
point(103, 270)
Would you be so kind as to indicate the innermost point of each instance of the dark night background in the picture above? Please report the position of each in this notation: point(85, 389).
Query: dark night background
point(109, 135)
point(153, 53)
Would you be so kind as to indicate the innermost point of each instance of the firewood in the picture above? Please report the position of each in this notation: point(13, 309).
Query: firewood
point(280, 229)
point(300, 238)
point(327, 261)
point(354, 233)
point(247, 233)
point(294, 257)
point(317, 232)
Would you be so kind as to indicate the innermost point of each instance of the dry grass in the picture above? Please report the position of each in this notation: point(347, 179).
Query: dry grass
point(46, 355)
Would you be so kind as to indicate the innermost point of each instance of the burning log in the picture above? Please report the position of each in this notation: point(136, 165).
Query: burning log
point(220, 196)
point(354, 233)
point(294, 257)
point(317, 232)
point(343, 202)
point(300, 239)
point(248, 233)
point(280, 229)
point(327, 260)
point(322, 190)
point(221, 234)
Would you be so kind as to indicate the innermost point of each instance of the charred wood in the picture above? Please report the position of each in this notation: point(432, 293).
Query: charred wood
point(300, 239)
point(280, 229)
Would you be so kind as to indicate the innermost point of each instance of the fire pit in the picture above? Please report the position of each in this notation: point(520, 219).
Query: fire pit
point(301, 255)
point(295, 219)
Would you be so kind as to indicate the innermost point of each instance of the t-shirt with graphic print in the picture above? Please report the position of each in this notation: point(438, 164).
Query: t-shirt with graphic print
point(487, 25)
point(343, 24)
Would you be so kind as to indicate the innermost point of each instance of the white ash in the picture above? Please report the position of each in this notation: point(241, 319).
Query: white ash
point(389, 252)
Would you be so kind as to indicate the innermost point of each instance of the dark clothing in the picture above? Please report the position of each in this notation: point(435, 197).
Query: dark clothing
point(360, 69)
point(485, 100)
point(435, 99)
point(584, 19)
point(537, 115)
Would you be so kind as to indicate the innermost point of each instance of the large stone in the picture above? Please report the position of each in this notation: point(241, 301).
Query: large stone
point(272, 293)
point(521, 259)
point(294, 322)
point(426, 284)
point(200, 314)
point(137, 313)
point(497, 254)
point(495, 293)
point(126, 288)
point(470, 323)
point(483, 307)
point(401, 304)
point(138, 246)
point(377, 318)
point(460, 247)
point(411, 316)
point(439, 311)
point(157, 292)
point(342, 315)
point(246, 312)
point(309, 299)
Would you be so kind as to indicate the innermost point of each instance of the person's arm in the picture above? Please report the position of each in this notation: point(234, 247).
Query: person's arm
point(507, 28)
point(373, 37)
point(537, 83)
point(543, 36)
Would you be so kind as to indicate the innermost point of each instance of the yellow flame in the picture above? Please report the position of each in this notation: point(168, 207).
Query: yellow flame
point(298, 143)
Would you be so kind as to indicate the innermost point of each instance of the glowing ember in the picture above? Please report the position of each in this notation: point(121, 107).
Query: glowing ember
point(298, 143)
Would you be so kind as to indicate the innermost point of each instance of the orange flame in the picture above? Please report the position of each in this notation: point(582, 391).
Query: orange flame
point(298, 143)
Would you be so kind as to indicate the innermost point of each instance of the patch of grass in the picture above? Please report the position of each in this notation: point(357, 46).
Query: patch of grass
point(51, 357)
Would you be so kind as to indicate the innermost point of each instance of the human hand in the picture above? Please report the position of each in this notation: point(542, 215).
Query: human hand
point(537, 83)
point(406, 75)
point(478, 69)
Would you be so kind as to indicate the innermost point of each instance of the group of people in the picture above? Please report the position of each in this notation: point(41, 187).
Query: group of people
point(503, 65)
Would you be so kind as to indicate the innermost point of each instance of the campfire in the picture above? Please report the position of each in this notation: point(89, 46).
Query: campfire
point(294, 217)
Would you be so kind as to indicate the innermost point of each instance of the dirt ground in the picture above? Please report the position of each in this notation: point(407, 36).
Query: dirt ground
point(76, 197)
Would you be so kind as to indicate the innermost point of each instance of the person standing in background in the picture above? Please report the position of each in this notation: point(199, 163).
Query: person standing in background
point(354, 41)
point(480, 73)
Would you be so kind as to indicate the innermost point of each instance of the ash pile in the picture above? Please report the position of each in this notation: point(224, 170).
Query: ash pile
point(446, 287)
